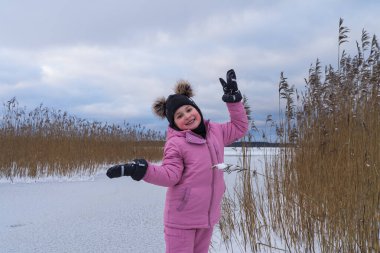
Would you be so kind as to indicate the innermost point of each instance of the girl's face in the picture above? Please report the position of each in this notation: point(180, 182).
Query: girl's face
point(187, 117)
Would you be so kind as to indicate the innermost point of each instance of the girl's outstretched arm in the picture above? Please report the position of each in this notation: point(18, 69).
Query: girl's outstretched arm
point(167, 174)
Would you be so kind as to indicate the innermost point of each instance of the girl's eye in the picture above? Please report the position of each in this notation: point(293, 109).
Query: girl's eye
point(189, 110)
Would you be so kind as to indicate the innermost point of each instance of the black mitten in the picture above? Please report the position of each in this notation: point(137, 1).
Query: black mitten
point(135, 169)
point(231, 92)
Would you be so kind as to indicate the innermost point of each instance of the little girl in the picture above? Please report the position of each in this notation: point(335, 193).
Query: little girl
point(193, 147)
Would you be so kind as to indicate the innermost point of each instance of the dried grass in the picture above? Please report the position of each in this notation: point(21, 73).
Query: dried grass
point(45, 142)
point(322, 189)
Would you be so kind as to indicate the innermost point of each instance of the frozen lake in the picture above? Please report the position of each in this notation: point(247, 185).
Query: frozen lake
point(88, 215)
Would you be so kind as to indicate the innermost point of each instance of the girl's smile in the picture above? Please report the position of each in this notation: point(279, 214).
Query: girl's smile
point(187, 117)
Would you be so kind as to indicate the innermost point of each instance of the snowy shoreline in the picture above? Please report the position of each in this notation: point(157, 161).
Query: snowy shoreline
point(85, 176)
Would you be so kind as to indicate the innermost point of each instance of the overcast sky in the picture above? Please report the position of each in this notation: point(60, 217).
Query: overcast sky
point(108, 60)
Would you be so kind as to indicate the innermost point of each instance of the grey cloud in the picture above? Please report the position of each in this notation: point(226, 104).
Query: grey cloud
point(44, 23)
point(106, 60)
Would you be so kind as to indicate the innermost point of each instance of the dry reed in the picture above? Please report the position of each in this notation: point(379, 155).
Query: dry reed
point(45, 142)
point(322, 188)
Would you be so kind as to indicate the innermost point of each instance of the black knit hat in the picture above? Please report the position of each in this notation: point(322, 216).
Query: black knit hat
point(167, 107)
point(175, 101)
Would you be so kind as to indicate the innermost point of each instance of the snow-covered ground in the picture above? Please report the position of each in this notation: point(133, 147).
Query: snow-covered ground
point(93, 214)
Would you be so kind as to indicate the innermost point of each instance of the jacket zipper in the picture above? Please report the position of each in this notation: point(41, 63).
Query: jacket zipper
point(212, 187)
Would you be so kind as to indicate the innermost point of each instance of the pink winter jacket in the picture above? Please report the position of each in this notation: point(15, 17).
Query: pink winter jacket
point(195, 188)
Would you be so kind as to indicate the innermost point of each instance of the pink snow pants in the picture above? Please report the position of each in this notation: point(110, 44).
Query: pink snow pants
point(187, 240)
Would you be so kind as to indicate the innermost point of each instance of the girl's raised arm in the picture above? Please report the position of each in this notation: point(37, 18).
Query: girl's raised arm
point(238, 125)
